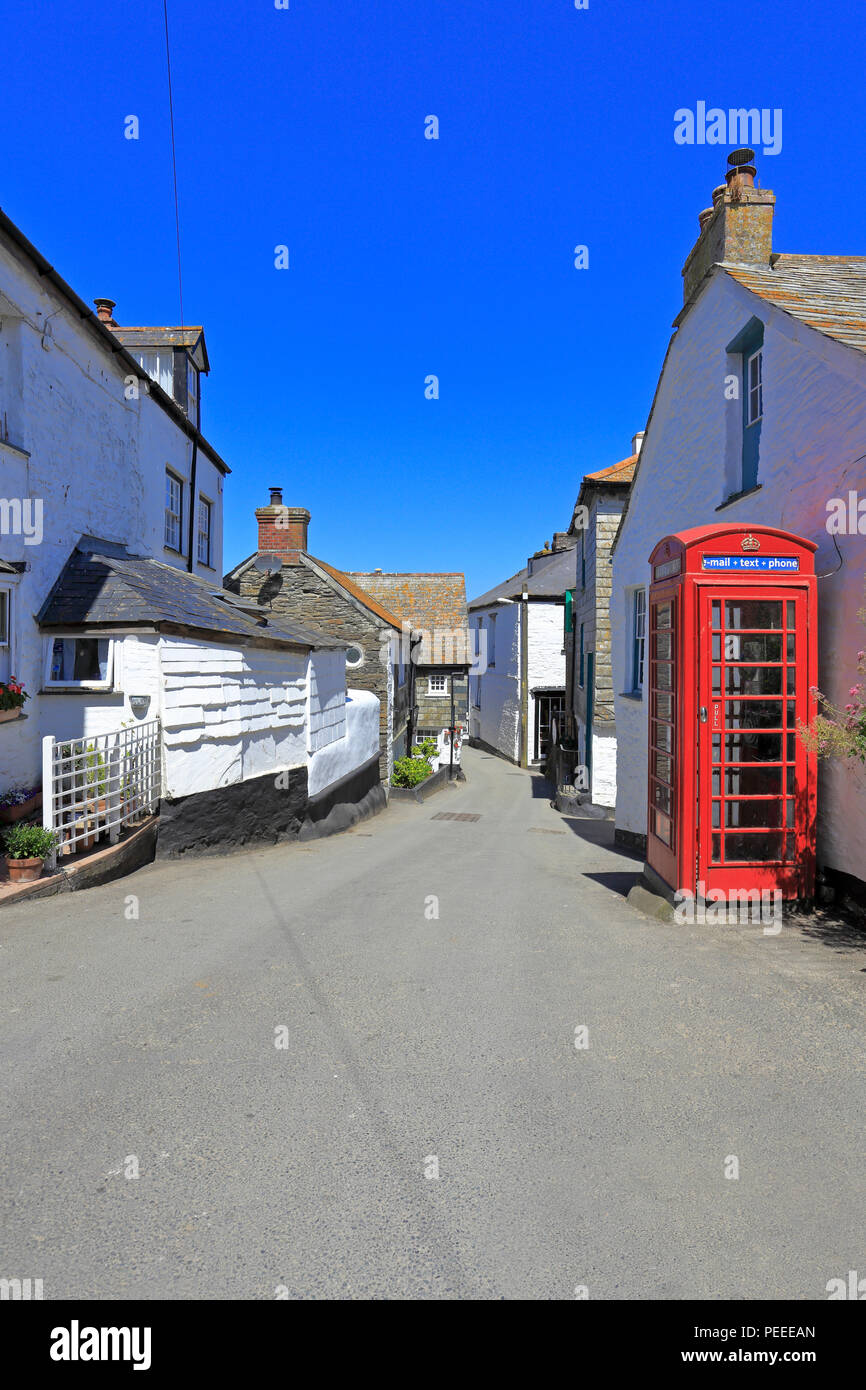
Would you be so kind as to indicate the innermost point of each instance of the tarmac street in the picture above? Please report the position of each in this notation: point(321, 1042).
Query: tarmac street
point(429, 1058)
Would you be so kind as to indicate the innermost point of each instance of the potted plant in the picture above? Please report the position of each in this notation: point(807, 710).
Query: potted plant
point(27, 848)
point(19, 803)
point(12, 697)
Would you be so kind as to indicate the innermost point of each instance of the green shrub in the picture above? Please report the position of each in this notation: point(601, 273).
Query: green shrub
point(29, 841)
point(408, 772)
point(427, 748)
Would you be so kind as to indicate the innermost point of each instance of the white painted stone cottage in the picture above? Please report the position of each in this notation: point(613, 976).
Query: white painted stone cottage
point(759, 417)
point(517, 684)
point(111, 602)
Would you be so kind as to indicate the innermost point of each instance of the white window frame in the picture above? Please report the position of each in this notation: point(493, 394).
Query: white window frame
point(192, 384)
point(638, 639)
point(208, 504)
point(437, 694)
point(354, 665)
point(106, 684)
point(755, 390)
point(6, 602)
point(172, 477)
point(491, 639)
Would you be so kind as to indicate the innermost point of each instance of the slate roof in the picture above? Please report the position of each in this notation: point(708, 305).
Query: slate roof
point(428, 602)
point(103, 586)
point(827, 293)
point(137, 339)
point(549, 580)
point(368, 600)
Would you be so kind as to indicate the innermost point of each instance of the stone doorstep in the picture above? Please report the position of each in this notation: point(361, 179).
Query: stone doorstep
point(87, 869)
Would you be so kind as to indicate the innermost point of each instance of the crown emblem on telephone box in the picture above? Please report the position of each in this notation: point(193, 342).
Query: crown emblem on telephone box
point(750, 542)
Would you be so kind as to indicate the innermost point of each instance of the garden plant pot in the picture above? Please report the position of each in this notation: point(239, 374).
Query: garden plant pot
point(24, 870)
point(8, 714)
point(10, 814)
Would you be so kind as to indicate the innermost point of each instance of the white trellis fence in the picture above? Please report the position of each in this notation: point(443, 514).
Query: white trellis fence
point(94, 787)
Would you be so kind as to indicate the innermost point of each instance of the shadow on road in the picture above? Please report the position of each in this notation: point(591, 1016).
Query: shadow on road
point(620, 883)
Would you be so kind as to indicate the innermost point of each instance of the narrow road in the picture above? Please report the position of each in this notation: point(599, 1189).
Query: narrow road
point(417, 1043)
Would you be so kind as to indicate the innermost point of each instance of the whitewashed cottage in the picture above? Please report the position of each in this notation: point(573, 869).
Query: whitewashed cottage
point(517, 630)
point(759, 417)
point(112, 611)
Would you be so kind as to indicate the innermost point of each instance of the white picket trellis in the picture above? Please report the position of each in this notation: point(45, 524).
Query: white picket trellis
point(93, 787)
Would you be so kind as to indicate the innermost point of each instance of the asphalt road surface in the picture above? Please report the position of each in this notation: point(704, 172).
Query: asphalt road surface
point(349, 1070)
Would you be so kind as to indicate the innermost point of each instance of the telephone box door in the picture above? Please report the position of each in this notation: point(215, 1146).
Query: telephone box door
point(752, 812)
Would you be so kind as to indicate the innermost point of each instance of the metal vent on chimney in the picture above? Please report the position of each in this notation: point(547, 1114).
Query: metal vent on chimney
point(738, 157)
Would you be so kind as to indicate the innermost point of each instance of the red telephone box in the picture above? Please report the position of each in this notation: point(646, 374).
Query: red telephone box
point(731, 663)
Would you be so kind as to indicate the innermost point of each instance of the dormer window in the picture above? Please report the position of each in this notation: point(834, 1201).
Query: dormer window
point(159, 367)
point(192, 391)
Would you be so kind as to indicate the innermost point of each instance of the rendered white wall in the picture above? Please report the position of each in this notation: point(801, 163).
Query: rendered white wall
point(814, 427)
point(327, 698)
point(229, 715)
point(357, 746)
point(497, 721)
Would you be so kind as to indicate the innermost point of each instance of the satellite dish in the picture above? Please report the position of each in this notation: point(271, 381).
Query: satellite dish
point(267, 564)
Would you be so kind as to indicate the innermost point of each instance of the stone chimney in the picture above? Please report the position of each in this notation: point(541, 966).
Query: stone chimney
point(282, 530)
point(738, 227)
point(104, 312)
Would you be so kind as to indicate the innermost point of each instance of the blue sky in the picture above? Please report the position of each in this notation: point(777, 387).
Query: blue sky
point(411, 257)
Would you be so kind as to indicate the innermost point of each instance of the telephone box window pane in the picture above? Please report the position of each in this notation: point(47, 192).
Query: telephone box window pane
point(792, 614)
point(717, 812)
point(663, 676)
point(662, 797)
point(789, 813)
point(790, 847)
point(663, 615)
point(663, 645)
point(717, 781)
point(717, 680)
point(754, 612)
point(662, 738)
point(717, 613)
point(662, 767)
point(753, 714)
point(792, 680)
point(792, 715)
point(753, 748)
point(756, 646)
point(717, 748)
point(717, 849)
point(754, 680)
point(753, 781)
point(753, 814)
point(663, 828)
point(753, 849)
point(789, 780)
point(792, 646)
point(717, 646)
point(664, 707)
point(792, 752)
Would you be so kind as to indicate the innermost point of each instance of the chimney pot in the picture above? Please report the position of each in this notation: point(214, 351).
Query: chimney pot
point(276, 496)
point(104, 311)
point(637, 441)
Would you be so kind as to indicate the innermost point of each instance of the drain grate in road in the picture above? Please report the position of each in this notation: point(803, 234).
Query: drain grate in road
point(454, 815)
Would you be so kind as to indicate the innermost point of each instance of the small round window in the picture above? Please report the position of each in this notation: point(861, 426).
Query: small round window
point(355, 656)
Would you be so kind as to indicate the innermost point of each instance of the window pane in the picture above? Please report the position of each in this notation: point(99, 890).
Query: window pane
point(662, 766)
point(753, 813)
point(662, 797)
point(753, 781)
point(663, 676)
point(753, 714)
point(754, 680)
point(755, 848)
point(663, 645)
point(744, 613)
point(757, 646)
point(753, 748)
point(663, 827)
point(662, 738)
point(663, 615)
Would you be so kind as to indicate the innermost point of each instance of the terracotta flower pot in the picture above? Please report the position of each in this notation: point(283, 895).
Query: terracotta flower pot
point(9, 713)
point(10, 814)
point(24, 870)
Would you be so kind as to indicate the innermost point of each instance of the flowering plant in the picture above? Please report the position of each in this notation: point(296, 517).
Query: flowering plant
point(16, 796)
point(12, 694)
point(840, 733)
